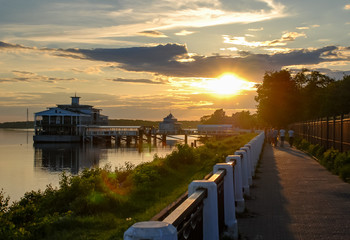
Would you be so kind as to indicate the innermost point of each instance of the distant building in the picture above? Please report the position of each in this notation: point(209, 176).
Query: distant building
point(64, 122)
point(169, 125)
point(215, 129)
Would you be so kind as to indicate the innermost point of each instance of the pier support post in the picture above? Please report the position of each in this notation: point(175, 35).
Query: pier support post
point(151, 230)
point(155, 139)
point(128, 140)
point(164, 139)
point(237, 182)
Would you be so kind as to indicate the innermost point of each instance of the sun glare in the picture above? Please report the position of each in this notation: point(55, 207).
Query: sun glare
point(226, 84)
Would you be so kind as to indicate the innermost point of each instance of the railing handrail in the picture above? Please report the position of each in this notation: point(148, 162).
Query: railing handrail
point(187, 207)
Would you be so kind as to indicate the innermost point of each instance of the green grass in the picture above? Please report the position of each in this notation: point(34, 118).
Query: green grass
point(103, 203)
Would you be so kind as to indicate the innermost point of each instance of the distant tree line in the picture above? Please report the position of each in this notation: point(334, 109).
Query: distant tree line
point(284, 98)
point(243, 119)
point(23, 124)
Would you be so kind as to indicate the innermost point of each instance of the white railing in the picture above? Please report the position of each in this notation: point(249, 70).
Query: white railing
point(198, 217)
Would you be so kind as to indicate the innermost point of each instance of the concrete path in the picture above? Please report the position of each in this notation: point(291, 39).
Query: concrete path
point(293, 197)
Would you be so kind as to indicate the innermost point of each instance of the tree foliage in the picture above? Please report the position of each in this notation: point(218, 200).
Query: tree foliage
point(284, 98)
point(242, 119)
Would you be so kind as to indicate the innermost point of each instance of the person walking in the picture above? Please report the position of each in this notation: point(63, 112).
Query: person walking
point(291, 137)
point(274, 137)
point(282, 136)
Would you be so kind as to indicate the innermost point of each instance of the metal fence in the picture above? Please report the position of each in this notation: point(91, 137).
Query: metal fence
point(327, 132)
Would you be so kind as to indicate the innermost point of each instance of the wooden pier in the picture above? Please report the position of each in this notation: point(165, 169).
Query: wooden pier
point(140, 134)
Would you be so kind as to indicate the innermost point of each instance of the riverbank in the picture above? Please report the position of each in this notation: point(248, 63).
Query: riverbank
point(103, 203)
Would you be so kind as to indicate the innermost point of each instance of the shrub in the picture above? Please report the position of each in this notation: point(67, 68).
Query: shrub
point(344, 172)
point(328, 158)
point(304, 145)
point(316, 150)
point(183, 154)
point(340, 161)
point(145, 175)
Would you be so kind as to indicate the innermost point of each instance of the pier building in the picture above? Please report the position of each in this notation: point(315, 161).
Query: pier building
point(65, 123)
point(170, 125)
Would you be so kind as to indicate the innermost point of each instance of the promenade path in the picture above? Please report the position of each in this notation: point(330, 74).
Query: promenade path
point(294, 197)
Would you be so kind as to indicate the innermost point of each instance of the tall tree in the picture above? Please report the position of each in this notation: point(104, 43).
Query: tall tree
point(218, 117)
point(277, 99)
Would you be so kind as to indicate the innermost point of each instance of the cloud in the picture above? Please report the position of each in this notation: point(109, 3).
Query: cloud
point(174, 60)
point(287, 37)
point(143, 81)
point(336, 74)
point(4, 45)
point(184, 33)
point(256, 29)
point(155, 34)
point(25, 76)
point(165, 60)
point(161, 54)
point(103, 23)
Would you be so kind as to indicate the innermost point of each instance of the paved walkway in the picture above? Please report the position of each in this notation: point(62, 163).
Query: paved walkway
point(293, 197)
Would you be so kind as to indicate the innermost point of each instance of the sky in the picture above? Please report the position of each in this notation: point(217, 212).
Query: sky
point(144, 59)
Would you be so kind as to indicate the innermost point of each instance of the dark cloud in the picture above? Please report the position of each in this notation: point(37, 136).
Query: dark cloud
point(146, 81)
point(156, 34)
point(162, 59)
point(173, 60)
point(335, 74)
point(139, 56)
point(4, 45)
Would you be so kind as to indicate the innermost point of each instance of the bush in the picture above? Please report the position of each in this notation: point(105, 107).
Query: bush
point(344, 172)
point(183, 154)
point(304, 145)
point(333, 160)
point(316, 150)
point(145, 175)
point(328, 158)
point(340, 161)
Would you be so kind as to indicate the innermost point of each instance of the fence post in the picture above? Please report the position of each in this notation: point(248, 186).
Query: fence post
point(250, 157)
point(249, 166)
point(229, 199)
point(334, 132)
point(210, 209)
point(238, 182)
point(341, 132)
point(244, 165)
point(151, 230)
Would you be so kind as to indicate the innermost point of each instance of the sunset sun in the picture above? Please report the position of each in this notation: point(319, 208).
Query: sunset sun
point(226, 85)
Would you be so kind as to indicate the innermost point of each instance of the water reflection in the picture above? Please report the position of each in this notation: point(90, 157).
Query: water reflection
point(73, 157)
point(70, 157)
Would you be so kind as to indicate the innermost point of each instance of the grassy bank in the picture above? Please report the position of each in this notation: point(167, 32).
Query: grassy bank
point(336, 162)
point(103, 203)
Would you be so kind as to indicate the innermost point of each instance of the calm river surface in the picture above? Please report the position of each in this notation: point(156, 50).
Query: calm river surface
point(25, 167)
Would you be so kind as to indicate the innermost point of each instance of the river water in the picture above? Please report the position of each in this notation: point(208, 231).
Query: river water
point(25, 166)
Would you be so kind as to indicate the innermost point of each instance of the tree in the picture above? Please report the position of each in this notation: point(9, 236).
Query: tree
point(314, 90)
point(278, 98)
point(244, 120)
point(218, 117)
